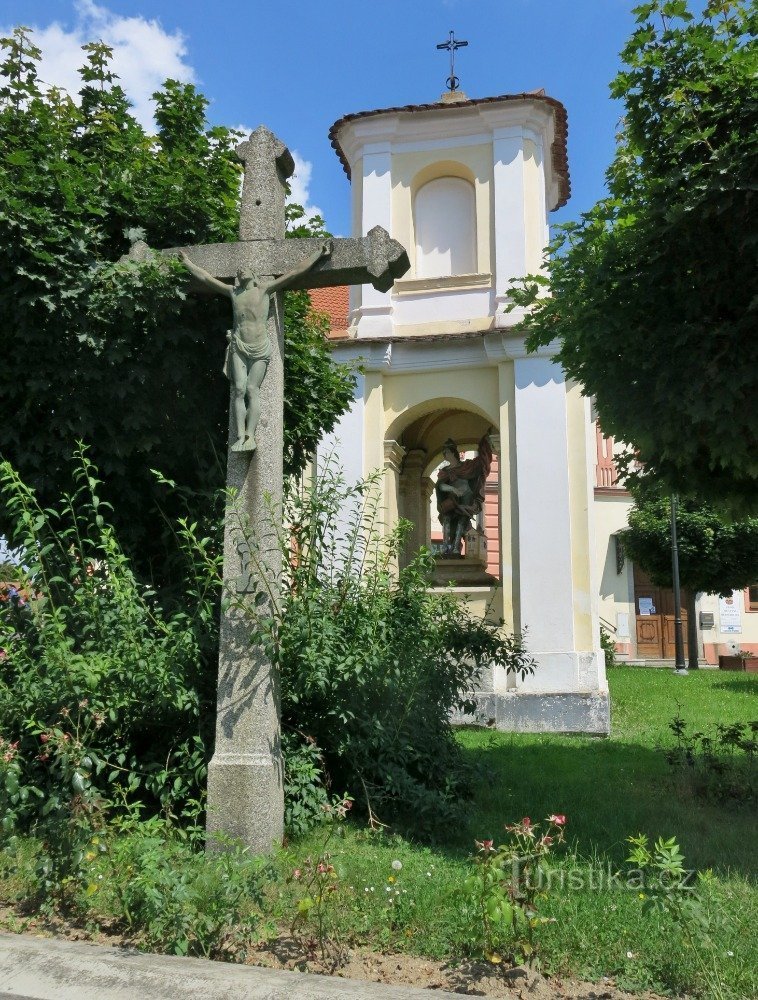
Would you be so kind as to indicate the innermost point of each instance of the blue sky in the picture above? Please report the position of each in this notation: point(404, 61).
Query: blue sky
point(297, 66)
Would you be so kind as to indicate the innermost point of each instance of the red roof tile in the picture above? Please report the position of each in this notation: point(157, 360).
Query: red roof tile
point(335, 302)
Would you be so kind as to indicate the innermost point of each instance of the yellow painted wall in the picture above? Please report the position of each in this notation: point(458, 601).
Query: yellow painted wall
point(580, 497)
point(407, 397)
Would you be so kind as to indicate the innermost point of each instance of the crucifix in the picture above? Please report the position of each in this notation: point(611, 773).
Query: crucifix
point(452, 45)
point(245, 775)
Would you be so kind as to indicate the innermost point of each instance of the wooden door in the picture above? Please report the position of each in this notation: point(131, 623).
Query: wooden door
point(669, 639)
point(649, 637)
point(655, 630)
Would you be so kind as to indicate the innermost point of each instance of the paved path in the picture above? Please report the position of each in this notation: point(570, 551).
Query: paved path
point(34, 968)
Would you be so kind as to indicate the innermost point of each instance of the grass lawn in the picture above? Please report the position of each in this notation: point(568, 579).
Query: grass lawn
point(608, 789)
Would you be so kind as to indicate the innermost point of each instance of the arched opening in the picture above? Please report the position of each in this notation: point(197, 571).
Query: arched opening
point(445, 227)
point(423, 440)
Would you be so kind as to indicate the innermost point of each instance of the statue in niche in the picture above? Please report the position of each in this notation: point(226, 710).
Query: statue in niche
point(460, 493)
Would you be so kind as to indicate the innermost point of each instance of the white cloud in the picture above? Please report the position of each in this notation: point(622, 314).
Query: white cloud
point(300, 183)
point(144, 54)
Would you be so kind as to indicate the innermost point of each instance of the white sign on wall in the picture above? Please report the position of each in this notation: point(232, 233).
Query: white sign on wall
point(646, 606)
point(730, 613)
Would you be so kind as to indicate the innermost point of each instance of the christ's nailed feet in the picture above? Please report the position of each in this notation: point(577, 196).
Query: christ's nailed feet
point(245, 443)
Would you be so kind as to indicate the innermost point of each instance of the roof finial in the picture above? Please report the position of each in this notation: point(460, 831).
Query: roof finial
point(452, 44)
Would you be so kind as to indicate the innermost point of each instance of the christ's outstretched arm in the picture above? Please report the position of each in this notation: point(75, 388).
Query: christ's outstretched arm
point(281, 283)
point(204, 277)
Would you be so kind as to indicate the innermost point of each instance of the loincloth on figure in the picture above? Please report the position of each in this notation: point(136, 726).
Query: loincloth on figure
point(250, 352)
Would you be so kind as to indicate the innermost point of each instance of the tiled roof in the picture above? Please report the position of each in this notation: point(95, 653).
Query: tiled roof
point(559, 151)
point(335, 302)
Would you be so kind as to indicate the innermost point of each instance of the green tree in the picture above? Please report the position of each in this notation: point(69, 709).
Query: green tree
point(715, 556)
point(653, 293)
point(116, 354)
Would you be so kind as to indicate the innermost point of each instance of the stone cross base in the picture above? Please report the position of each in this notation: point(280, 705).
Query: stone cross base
point(249, 787)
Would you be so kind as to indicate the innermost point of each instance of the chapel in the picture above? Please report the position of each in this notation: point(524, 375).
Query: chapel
point(467, 186)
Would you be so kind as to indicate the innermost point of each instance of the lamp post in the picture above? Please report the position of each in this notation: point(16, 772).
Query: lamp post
point(680, 666)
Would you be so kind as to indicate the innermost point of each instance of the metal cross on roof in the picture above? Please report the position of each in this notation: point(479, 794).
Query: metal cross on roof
point(452, 44)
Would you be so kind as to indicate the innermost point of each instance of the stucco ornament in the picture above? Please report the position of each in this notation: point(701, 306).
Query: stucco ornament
point(249, 348)
point(460, 493)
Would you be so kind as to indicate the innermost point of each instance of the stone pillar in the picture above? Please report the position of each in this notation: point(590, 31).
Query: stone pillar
point(411, 501)
point(425, 527)
point(393, 463)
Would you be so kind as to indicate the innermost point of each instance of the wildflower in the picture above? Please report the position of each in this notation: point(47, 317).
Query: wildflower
point(547, 840)
point(297, 874)
point(397, 865)
point(388, 888)
point(526, 822)
point(84, 702)
point(44, 738)
point(558, 819)
point(321, 869)
point(391, 878)
point(484, 845)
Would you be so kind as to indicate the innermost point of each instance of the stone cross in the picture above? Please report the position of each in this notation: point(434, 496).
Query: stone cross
point(245, 775)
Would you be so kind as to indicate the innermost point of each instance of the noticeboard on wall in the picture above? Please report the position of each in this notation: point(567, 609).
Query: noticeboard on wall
point(730, 614)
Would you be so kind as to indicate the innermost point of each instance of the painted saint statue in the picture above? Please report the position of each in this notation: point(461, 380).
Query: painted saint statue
point(460, 493)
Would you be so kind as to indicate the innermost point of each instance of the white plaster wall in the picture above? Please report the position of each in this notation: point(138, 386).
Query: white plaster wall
point(375, 311)
point(345, 442)
point(445, 225)
point(544, 527)
point(616, 589)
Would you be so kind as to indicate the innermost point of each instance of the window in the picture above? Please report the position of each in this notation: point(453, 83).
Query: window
point(445, 228)
point(752, 597)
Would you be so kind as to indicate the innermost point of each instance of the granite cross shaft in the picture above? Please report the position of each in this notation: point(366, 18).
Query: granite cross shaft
point(245, 775)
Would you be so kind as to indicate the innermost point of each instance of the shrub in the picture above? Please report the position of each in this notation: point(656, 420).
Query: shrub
point(609, 647)
point(179, 899)
point(720, 766)
point(372, 663)
point(100, 689)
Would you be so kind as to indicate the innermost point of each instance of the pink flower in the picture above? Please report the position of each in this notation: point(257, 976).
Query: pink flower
point(558, 820)
point(297, 873)
point(321, 868)
point(547, 840)
point(484, 845)
point(44, 738)
point(526, 822)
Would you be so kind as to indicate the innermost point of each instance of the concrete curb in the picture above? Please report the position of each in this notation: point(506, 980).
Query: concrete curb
point(50, 969)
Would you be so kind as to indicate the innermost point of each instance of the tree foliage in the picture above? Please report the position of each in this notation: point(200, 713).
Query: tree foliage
point(715, 556)
point(653, 293)
point(114, 353)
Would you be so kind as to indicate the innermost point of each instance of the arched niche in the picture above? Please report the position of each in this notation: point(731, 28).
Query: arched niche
point(421, 434)
point(444, 224)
